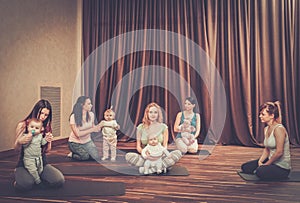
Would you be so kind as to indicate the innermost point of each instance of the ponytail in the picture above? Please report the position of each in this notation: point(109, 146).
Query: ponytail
point(279, 119)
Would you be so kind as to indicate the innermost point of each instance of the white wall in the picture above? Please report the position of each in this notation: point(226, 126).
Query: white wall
point(39, 46)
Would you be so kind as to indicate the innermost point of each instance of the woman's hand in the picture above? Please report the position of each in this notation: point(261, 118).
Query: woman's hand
point(49, 137)
point(96, 128)
point(25, 139)
point(117, 127)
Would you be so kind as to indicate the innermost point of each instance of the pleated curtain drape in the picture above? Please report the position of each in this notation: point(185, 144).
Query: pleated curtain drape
point(253, 44)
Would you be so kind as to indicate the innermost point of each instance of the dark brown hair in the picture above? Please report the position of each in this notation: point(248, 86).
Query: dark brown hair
point(272, 108)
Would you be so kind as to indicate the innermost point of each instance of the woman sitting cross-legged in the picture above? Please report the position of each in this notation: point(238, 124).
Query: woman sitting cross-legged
point(152, 125)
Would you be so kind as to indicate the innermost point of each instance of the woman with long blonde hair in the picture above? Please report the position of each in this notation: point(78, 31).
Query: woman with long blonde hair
point(152, 124)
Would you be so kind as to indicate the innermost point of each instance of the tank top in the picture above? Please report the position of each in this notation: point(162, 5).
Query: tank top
point(193, 123)
point(285, 160)
point(158, 130)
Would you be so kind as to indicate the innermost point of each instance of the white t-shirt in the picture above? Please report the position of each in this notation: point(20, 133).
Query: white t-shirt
point(85, 125)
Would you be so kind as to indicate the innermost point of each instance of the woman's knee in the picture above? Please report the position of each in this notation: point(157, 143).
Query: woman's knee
point(193, 148)
point(134, 159)
point(264, 172)
point(53, 176)
point(244, 167)
point(24, 181)
point(181, 145)
point(81, 156)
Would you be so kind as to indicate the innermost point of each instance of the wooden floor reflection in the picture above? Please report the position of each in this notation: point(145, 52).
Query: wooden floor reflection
point(212, 179)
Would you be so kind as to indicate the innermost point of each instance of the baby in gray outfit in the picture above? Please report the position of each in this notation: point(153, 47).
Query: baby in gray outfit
point(33, 150)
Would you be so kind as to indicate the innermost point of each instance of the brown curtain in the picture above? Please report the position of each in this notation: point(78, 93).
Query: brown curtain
point(254, 45)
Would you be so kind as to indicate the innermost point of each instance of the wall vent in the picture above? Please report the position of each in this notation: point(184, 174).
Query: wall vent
point(53, 95)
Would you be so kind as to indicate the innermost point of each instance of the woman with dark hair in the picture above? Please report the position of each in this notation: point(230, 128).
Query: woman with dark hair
point(193, 118)
point(275, 161)
point(51, 176)
point(82, 125)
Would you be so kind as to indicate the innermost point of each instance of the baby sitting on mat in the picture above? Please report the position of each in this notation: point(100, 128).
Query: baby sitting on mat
point(153, 154)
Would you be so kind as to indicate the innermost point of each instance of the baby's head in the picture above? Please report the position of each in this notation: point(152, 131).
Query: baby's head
point(35, 126)
point(152, 140)
point(186, 122)
point(109, 115)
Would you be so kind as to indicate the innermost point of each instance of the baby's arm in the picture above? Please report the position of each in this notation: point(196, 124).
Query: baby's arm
point(180, 127)
point(101, 124)
point(144, 154)
point(43, 141)
point(193, 129)
point(110, 124)
point(117, 126)
point(27, 144)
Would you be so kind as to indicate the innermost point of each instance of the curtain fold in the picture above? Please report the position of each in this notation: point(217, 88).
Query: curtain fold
point(254, 46)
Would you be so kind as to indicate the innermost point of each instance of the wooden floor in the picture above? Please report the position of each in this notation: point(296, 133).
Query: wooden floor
point(212, 179)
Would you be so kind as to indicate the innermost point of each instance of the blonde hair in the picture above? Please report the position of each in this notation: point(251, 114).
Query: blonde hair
point(109, 111)
point(146, 120)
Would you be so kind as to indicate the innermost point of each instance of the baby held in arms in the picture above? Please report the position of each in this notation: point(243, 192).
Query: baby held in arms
point(33, 161)
point(186, 129)
point(153, 154)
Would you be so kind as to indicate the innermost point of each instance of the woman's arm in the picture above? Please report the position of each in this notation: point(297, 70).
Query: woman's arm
point(264, 155)
point(49, 138)
point(198, 125)
point(177, 129)
point(166, 138)
point(49, 146)
point(20, 139)
point(143, 152)
point(279, 134)
point(138, 141)
point(79, 133)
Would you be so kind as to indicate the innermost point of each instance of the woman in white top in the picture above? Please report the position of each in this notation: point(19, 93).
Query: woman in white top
point(275, 161)
point(82, 125)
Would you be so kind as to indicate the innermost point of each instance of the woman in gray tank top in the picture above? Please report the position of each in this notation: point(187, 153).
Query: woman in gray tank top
point(275, 161)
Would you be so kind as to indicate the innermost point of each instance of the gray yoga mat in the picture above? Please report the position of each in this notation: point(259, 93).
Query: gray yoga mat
point(71, 188)
point(293, 177)
point(199, 152)
point(100, 170)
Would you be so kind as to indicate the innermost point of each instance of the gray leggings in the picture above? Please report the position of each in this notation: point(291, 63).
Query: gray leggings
point(25, 181)
point(83, 152)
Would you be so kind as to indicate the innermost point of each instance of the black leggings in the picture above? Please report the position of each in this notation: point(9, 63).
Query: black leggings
point(269, 172)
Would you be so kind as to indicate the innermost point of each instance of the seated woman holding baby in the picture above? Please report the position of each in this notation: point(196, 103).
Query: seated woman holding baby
point(152, 125)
